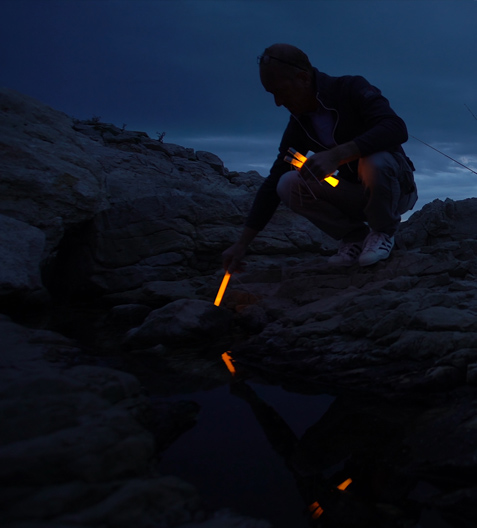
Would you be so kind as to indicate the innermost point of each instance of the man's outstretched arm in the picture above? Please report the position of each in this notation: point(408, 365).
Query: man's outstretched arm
point(233, 256)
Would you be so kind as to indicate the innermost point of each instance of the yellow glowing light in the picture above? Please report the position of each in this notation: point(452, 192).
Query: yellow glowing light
point(344, 484)
point(222, 288)
point(332, 181)
point(297, 160)
point(296, 163)
point(316, 509)
point(297, 155)
point(227, 359)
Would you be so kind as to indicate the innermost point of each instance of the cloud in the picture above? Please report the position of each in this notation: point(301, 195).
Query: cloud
point(188, 68)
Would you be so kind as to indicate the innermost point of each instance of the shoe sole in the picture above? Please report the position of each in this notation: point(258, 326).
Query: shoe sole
point(364, 264)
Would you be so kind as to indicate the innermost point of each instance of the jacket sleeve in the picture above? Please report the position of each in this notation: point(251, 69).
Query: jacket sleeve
point(382, 128)
point(266, 200)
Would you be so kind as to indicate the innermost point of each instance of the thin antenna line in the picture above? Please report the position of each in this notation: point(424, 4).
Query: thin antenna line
point(433, 148)
point(473, 115)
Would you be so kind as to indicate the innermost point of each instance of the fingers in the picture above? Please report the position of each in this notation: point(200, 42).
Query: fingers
point(232, 259)
point(226, 263)
point(320, 165)
point(234, 266)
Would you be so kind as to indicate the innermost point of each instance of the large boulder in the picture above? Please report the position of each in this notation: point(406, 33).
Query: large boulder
point(440, 221)
point(182, 322)
point(73, 449)
point(48, 179)
point(125, 233)
point(119, 209)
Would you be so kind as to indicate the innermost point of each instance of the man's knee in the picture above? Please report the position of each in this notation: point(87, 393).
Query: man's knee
point(374, 167)
point(287, 185)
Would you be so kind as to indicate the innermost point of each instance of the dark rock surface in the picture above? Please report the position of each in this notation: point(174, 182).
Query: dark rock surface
point(110, 248)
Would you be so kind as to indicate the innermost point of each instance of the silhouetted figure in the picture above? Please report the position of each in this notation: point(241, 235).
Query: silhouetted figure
point(350, 127)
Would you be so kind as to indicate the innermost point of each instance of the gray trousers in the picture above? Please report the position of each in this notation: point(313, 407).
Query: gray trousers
point(348, 211)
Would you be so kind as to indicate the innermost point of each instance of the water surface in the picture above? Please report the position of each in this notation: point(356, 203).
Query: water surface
point(228, 457)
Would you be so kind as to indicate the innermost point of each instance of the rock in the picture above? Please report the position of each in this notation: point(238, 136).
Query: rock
point(21, 253)
point(228, 519)
point(165, 501)
point(443, 318)
point(132, 230)
point(48, 180)
point(472, 373)
point(164, 292)
point(128, 315)
point(76, 452)
point(211, 159)
point(181, 322)
point(440, 221)
point(445, 377)
point(116, 213)
point(253, 319)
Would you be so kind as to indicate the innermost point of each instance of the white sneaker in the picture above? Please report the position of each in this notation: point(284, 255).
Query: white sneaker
point(376, 247)
point(348, 254)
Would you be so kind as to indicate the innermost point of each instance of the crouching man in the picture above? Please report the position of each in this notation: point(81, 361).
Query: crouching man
point(354, 134)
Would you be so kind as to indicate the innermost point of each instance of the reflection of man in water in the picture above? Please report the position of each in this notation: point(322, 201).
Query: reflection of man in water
point(349, 441)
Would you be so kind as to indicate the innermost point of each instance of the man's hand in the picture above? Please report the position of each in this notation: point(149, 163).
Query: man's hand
point(324, 163)
point(232, 258)
point(320, 165)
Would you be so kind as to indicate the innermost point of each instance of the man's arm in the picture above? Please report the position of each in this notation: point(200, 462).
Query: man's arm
point(383, 128)
point(232, 257)
point(266, 200)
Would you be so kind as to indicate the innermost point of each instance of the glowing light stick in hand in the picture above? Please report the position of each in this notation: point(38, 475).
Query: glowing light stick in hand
point(222, 288)
point(297, 160)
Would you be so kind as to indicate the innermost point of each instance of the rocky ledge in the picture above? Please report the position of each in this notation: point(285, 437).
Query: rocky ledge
point(110, 248)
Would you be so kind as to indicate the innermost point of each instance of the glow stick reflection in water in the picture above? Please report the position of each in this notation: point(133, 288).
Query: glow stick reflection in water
point(227, 359)
point(222, 288)
point(344, 484)
point(315, 508)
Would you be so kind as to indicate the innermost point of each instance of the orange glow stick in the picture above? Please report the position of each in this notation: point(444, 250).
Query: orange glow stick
point(316, 510)
point(222, 288)
point(344, 484)
point(227, 359)
point(296, 163)
point(297, 155)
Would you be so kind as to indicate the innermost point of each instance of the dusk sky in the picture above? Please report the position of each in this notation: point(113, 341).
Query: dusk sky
point(188, 68)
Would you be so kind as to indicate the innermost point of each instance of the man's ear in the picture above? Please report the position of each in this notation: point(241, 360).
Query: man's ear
point(305, 78)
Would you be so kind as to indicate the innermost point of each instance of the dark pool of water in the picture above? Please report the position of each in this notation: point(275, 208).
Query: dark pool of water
point(231, 453)
point(228, 457)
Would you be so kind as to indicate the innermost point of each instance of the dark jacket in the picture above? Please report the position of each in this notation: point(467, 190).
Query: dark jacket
point(363, 115)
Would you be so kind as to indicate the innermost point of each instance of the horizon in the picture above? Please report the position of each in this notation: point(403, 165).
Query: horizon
point(130, 63)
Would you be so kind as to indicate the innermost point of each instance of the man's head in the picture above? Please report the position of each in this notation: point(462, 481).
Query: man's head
point(286, 72)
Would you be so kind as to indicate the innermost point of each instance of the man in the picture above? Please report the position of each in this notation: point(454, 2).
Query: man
point(351, 129)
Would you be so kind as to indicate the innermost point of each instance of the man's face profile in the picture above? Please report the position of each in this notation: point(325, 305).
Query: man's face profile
point(294, 92)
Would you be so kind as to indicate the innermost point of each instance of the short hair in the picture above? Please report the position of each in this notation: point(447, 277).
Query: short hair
point(287, 57)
